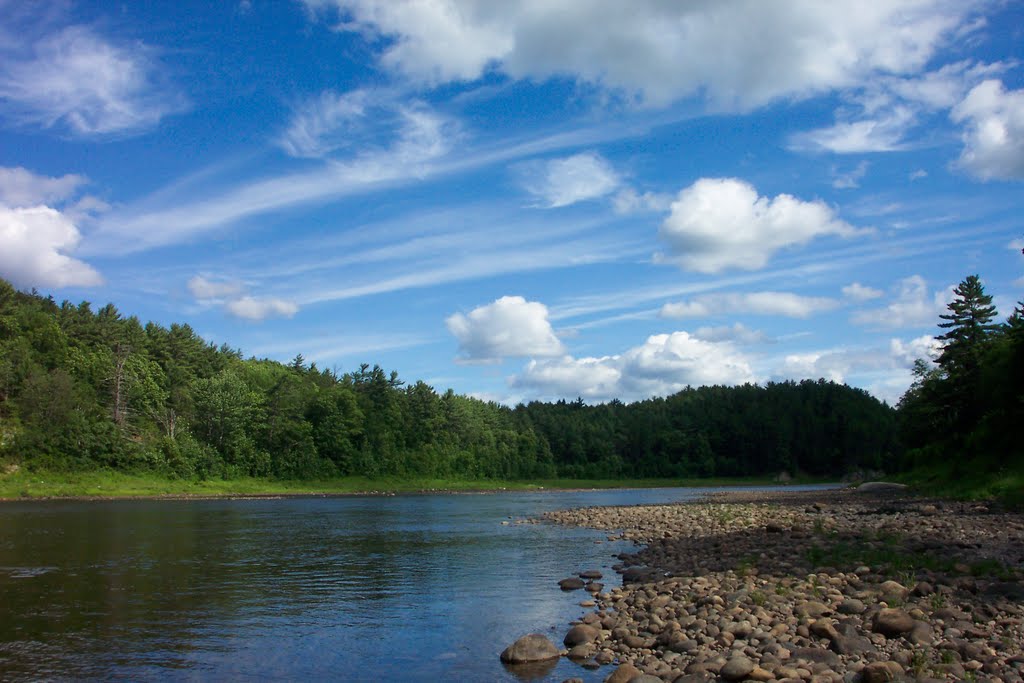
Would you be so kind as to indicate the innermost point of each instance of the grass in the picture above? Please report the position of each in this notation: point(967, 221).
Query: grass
point(113, 484)
point(977, 482)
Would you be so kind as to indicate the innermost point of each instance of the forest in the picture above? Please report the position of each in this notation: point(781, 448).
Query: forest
point(84, 389)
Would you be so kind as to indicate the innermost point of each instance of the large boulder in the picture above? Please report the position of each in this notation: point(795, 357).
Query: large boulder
point(534, 647)
point(580, 635)
point(893, 622)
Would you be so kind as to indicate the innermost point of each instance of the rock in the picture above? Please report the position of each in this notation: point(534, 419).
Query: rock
point(774, 528)
point(851, 645)
point(817, 655)
point(580, 652)
point(921, 634)
point(534, 647)
point(591, 574)
point(880, 487)
point(594, 587)
point(823, 628)
point(812, 608)
point(694, 678)
point(892, 622)
point(881, 672)
point(571, 584)
point(893, 589)
point(851, 606)
point(623, 674)
point(573, 680)
point(645, 678)
point(635, 642)
point(759, 674)
point(736, 668)
point(580, 635)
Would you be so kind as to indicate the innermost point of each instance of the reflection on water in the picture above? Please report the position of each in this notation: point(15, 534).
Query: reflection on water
point(359, 588)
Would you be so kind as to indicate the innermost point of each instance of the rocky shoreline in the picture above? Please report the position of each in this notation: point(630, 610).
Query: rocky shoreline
point(834, 585)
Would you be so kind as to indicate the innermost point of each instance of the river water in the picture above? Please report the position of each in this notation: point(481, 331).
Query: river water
point(421, 587)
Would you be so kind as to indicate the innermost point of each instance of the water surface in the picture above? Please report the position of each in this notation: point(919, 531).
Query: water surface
point(408, 588)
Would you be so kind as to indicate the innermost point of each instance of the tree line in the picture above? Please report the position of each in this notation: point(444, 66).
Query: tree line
point(87, 389)
point(966, 409)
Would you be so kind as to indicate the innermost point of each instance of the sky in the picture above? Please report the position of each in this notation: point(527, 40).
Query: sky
point(526, 199)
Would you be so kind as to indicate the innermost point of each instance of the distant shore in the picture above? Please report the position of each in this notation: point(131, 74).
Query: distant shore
point(111, 485)
point(796, 586)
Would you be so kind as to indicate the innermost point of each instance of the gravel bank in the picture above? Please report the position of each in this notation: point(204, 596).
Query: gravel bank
point(810, 586)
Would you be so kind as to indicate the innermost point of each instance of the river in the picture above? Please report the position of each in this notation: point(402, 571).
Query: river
point(419, 587)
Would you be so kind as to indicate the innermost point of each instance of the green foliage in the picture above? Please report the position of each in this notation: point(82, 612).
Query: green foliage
point(960, 419)
point(82, 390)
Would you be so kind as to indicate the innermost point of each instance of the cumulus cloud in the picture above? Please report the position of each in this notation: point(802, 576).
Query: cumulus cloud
point(886, 371)
point(508, 327)
point(720, 223)
point(254, 308)
point(662, 365)
point(233, 298)
point(737, 332)
point(993, 136)
point(759, 303)
point(858, 292)
point(882, 113)
point(35, 244)
point(21, 187)
point(912, 305)
point(737, 53)
point(81, 81)
point(562, 182)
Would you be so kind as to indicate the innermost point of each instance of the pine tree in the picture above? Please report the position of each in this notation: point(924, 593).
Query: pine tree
point(969, 323)
point(970, 329)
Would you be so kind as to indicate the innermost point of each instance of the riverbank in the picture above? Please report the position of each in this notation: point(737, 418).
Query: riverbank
point(100, 485)
point(837, 586)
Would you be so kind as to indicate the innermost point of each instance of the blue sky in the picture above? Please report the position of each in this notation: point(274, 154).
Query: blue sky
point(523, 199)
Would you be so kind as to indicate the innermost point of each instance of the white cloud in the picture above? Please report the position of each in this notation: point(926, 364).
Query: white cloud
point(758, 303)
point(414, 137)
point(737, 332)
point(912, 306)
point(562, 182)
point(993, 136)
point(1016, 245)
point(325, 123)
point(254, 308)
point(34, 247)
point(849, 179)
point(664, 364)
point(918, 174)
point(887, 108)
point(21, 187)
point(886, 372)
point(628, 200)
point(882, 134)
point(737, 53)
point(85, 83)
point(205, 289)
point(720, 223)
point(508, 327)
point(858, 292)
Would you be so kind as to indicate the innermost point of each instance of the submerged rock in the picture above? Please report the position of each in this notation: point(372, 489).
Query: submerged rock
point(534, 647)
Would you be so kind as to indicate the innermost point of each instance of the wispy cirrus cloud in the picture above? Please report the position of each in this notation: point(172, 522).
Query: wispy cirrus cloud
point(785, 304)
point(85, 84)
